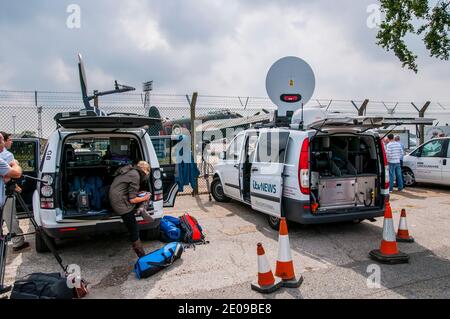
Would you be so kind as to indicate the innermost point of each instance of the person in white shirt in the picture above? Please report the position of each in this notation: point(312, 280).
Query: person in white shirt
point(8, 204)
point(394, 152)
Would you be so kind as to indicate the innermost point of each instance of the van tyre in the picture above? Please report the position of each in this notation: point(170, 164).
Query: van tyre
point(408, 177)
point(150, 234)
point(217, 191)
point(40, 245)
point(274, 222)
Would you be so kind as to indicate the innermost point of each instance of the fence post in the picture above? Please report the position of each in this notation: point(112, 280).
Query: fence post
point(39, 112)
point(422, 114)
point(194, 155)
point(362, 109)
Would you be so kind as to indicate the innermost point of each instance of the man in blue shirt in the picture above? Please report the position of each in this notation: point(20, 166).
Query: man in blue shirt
point(9, 168)
point(397, 139)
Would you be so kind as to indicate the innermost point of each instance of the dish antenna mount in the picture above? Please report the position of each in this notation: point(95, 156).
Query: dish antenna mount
point(118, 88)
point(290, 84)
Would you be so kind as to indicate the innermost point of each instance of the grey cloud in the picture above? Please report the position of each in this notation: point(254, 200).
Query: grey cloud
point(34, 38)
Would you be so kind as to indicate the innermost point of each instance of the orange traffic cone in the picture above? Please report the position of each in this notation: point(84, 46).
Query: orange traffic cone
point(266, 281)
point(285, 266)
point(403, 233)
point(388, 252)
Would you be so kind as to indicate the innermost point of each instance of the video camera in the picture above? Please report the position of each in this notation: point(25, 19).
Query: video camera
point(10, 187)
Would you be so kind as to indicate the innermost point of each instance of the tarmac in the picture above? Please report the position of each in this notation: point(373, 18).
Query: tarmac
point(333, 258)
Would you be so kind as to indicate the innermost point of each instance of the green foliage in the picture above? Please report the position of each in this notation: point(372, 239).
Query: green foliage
point(28, 133)
point(398, 23)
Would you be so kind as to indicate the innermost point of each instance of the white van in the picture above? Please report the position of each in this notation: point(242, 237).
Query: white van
point(333, 170)
point(308, 166)
point(428, 163)
point(80, 157)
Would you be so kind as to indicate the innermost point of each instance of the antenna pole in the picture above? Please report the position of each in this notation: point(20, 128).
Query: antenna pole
point(193, 104)
point(302, 116)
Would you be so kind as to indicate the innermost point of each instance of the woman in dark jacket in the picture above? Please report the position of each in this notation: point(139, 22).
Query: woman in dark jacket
point(124, 199)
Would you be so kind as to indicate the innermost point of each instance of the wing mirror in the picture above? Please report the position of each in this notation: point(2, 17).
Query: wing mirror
point(222, 155)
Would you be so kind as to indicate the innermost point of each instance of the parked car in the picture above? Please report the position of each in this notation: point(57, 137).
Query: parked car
point(80, 158)
point(428, 163)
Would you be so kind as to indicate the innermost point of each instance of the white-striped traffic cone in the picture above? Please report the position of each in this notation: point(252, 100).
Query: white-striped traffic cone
point(285, 266)
point(388, 252)
point(403, 233)
point(266, 283)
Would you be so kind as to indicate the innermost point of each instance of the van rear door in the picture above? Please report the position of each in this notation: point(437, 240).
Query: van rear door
point(164, 146)
point(27, 152)
point(365, 122)
point(266, 182)
point(77, 120)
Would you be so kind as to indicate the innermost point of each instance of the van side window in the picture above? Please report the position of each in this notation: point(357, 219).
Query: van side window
point(163, 149)
point(234, 149)
point(448, 148)
point(272, 147)
point(251, 148)
point(434, 148)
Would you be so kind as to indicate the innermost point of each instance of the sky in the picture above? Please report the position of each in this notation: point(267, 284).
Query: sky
point(215, 47)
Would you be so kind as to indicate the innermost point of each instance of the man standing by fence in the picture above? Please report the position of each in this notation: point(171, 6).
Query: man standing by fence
point(397, 139)
point(394, 155)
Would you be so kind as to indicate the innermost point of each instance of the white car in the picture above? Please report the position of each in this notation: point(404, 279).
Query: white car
point(429, 163)
point(74, 201)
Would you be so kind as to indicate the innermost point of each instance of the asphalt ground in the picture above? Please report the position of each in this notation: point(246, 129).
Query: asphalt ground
point(332, 258)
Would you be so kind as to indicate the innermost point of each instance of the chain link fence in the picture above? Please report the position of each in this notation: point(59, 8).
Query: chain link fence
point(32, 113)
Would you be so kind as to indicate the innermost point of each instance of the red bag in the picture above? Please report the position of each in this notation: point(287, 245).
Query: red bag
point(191, 230)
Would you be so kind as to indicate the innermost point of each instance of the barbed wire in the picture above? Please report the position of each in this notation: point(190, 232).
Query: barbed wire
point(33, 112)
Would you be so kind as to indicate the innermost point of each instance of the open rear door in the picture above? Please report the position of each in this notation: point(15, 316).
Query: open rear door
point(163, 146)
point(266, 182)
point(88, 119)
point(366, 122)
point(27, 152)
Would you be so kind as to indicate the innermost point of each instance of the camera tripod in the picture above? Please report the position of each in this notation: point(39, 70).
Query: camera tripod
point(14, 196)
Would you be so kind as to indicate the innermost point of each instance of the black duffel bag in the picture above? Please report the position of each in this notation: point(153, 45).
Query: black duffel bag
point(42, 286)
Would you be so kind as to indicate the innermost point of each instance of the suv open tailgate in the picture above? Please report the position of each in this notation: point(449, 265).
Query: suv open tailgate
point(367, 122)
point(110, 121)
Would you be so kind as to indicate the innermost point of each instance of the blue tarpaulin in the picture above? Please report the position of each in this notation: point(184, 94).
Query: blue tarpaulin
point(187, 174)
point(186, 171)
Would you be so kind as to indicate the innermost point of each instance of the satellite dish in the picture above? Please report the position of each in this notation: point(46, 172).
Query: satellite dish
point(82, 74)
point(290, 84)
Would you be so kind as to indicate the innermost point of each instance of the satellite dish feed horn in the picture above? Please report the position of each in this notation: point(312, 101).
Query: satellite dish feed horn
point(290, 84)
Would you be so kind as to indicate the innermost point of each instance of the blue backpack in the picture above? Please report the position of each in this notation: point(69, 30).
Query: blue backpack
point(157, 260)
point(170, 229)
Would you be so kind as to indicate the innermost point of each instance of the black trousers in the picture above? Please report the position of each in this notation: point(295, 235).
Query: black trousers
point(131, 224)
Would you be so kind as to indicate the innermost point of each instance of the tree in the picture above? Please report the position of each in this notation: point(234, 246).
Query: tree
point(28, 134)
point(434, 26)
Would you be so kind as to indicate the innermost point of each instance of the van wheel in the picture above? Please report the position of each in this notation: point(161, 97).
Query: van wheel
point(39, 243)
point(150, 234)
point(274, 222)
point(217, 191)
point(408, 177)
